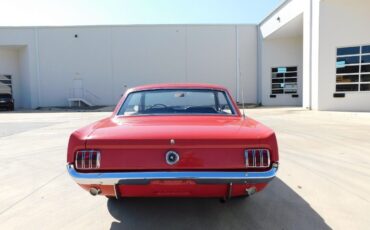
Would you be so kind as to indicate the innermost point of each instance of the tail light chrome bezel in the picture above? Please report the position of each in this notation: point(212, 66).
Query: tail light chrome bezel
point(87, 159)
point(255, 159)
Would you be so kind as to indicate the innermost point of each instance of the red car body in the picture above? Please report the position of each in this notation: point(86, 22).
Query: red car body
point(214, 153)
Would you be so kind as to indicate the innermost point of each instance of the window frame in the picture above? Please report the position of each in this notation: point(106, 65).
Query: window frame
point(284, 80)
point(229, 101)
point(359, 82)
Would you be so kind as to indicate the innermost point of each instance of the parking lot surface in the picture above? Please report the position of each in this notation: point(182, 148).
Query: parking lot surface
point(323, 181)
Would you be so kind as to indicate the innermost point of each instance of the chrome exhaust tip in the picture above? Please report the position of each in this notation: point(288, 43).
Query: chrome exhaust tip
point(94, 191)
point(250, 191)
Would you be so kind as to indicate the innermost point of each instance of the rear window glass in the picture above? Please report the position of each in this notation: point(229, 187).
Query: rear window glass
point(177, 101)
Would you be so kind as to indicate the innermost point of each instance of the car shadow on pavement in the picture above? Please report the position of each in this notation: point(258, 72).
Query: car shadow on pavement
point(277, 207)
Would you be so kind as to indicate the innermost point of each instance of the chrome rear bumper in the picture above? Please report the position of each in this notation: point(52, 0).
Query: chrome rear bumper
point(200, 177)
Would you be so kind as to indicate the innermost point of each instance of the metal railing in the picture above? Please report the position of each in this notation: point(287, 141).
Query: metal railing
point(84, 95)
point(91, 97)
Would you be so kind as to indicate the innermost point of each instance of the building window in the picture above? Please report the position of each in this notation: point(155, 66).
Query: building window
point(353, 69)
point(284, 80)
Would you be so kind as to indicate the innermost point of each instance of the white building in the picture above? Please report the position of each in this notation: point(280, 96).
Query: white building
point(310, 53)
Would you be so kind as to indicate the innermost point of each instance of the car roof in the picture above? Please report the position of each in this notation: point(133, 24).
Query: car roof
point(179, 86)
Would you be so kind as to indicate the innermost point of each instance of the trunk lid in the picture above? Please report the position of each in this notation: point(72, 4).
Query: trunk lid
point(202, 142)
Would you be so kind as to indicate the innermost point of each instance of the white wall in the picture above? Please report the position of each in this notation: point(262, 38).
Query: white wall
point(63, 58)
point(147, 54)
point(211, 55)
point(205, 54)
point(24, 40)
point(342, 23)
point(248, 63)
point(25, 79)
point(14, 61)
point(279, 53)
point(108, 59)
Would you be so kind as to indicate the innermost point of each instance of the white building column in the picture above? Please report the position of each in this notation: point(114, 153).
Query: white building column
point(311, 54)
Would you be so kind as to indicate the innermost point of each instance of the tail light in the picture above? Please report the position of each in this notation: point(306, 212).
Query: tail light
point(87, 159)
point(257, 158)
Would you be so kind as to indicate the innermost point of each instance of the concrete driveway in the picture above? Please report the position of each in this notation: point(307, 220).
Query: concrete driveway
point(323, 181)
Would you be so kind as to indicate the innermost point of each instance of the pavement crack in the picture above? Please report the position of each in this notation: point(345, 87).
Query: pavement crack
point(31, 193)
point(329, 179)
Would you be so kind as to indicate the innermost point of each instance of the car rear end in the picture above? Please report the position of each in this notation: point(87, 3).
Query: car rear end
point(178, 167)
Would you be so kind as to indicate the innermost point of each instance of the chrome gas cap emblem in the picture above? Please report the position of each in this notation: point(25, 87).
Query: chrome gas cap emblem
point(172, 157)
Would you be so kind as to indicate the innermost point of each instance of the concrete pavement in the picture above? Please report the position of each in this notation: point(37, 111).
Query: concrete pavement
point(323, 181)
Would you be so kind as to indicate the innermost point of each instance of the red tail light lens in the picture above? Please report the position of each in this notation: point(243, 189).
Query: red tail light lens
point(87, 159)
point(257, 158)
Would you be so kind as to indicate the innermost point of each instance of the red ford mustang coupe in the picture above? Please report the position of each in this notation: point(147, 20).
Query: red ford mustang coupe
point(174, 140)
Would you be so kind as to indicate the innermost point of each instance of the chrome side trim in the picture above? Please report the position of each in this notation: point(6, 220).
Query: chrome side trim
point(201, 177)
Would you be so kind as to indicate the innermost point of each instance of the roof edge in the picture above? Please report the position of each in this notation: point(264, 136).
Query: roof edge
point(178, 86)
point(127, 25)
point(279, 7)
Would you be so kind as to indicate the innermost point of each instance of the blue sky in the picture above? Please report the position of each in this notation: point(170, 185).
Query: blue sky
point(102, 12)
